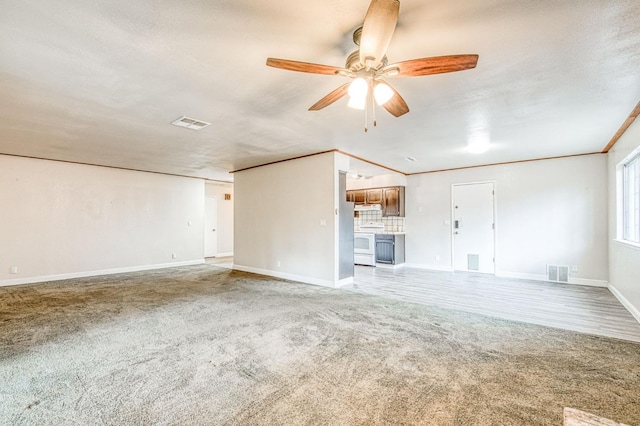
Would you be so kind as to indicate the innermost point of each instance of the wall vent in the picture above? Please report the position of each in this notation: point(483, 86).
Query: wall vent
point(190, 123)
point(558, 273)
point(473, 262)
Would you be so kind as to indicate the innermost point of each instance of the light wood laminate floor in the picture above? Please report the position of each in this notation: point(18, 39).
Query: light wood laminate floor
point(579, 308)
point(223, 262)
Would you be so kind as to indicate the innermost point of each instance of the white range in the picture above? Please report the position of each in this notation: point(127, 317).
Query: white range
point(364, 243)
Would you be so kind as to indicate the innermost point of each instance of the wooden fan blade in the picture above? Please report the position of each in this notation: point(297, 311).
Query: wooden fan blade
point(331, 97)
point(377, 30)
point(286, 64)
point(434, 65)
point(396, 105)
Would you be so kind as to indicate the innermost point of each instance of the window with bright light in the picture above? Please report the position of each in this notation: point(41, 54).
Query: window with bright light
point(631, 199)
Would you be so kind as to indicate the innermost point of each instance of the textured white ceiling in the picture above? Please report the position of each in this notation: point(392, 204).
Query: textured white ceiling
point(99, 81)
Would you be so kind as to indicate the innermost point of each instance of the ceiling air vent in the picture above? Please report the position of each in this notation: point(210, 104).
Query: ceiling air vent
point(190, 123)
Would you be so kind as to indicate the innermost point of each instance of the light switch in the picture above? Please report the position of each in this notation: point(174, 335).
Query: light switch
point(323, 223)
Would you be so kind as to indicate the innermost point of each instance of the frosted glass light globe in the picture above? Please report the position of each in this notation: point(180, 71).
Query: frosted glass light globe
point(357, 103)
point(382, 93)
point(358, 88)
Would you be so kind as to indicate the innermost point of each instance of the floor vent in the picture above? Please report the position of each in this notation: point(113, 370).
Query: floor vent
point(190, 123)
point(558, 273)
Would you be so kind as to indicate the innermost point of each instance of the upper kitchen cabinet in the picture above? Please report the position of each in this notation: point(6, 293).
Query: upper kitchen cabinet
point(374, 196)
point(365, 196)
point(393, 204)
point(358, 196)
point(391, 199)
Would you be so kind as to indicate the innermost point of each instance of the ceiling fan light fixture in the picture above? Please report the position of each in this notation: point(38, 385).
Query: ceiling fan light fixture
point(382, 93)
point(357, 103)
point(358, 93)
point(369, 65)
point(358, 88)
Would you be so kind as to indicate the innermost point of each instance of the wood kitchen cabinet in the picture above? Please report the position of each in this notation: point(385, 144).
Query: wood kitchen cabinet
point(350, 197)
point(359, 196)
point(374, 196)
point(365, 196)
point(393, 203)
point(390, 198)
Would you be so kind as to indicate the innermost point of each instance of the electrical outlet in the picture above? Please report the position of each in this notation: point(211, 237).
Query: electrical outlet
point(173, 256)
point(14, 270)
point(574, 268)
point(323, 222)
point(436, 258)
point(278, 263)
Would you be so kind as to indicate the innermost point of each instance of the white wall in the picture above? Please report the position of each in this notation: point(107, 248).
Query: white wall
point(390, 179)
point(224, 228)
point(548, 212)
point(60, 220)
point(278, 210)
point(624, 259)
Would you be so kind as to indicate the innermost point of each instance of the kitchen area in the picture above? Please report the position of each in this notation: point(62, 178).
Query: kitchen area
point(379, 231)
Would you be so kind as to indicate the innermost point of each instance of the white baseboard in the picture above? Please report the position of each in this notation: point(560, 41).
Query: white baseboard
point(344, 281)
point(292, 277)
point(226, 254)
point(84, 274)
point(389, 266)
point(542, 277)
point(625, 302)
point(429, 267)
point(589, 282)
point(521, 276)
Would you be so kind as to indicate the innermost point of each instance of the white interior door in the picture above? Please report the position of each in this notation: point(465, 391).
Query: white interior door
point(473, 227)
point(210, 225)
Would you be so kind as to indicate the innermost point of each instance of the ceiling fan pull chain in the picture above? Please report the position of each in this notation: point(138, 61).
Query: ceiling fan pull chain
point(365, 118)
point(373, 109)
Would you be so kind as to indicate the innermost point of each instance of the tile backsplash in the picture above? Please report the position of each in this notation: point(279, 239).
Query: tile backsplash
point(391, 224)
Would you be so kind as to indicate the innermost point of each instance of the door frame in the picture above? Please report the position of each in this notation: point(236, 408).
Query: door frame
point(495, 222)
point(204, 243)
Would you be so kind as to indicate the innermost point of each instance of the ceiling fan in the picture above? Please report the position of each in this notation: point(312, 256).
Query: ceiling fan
point(368, 66)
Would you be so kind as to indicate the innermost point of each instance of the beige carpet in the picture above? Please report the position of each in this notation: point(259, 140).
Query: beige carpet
point(205, 345)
